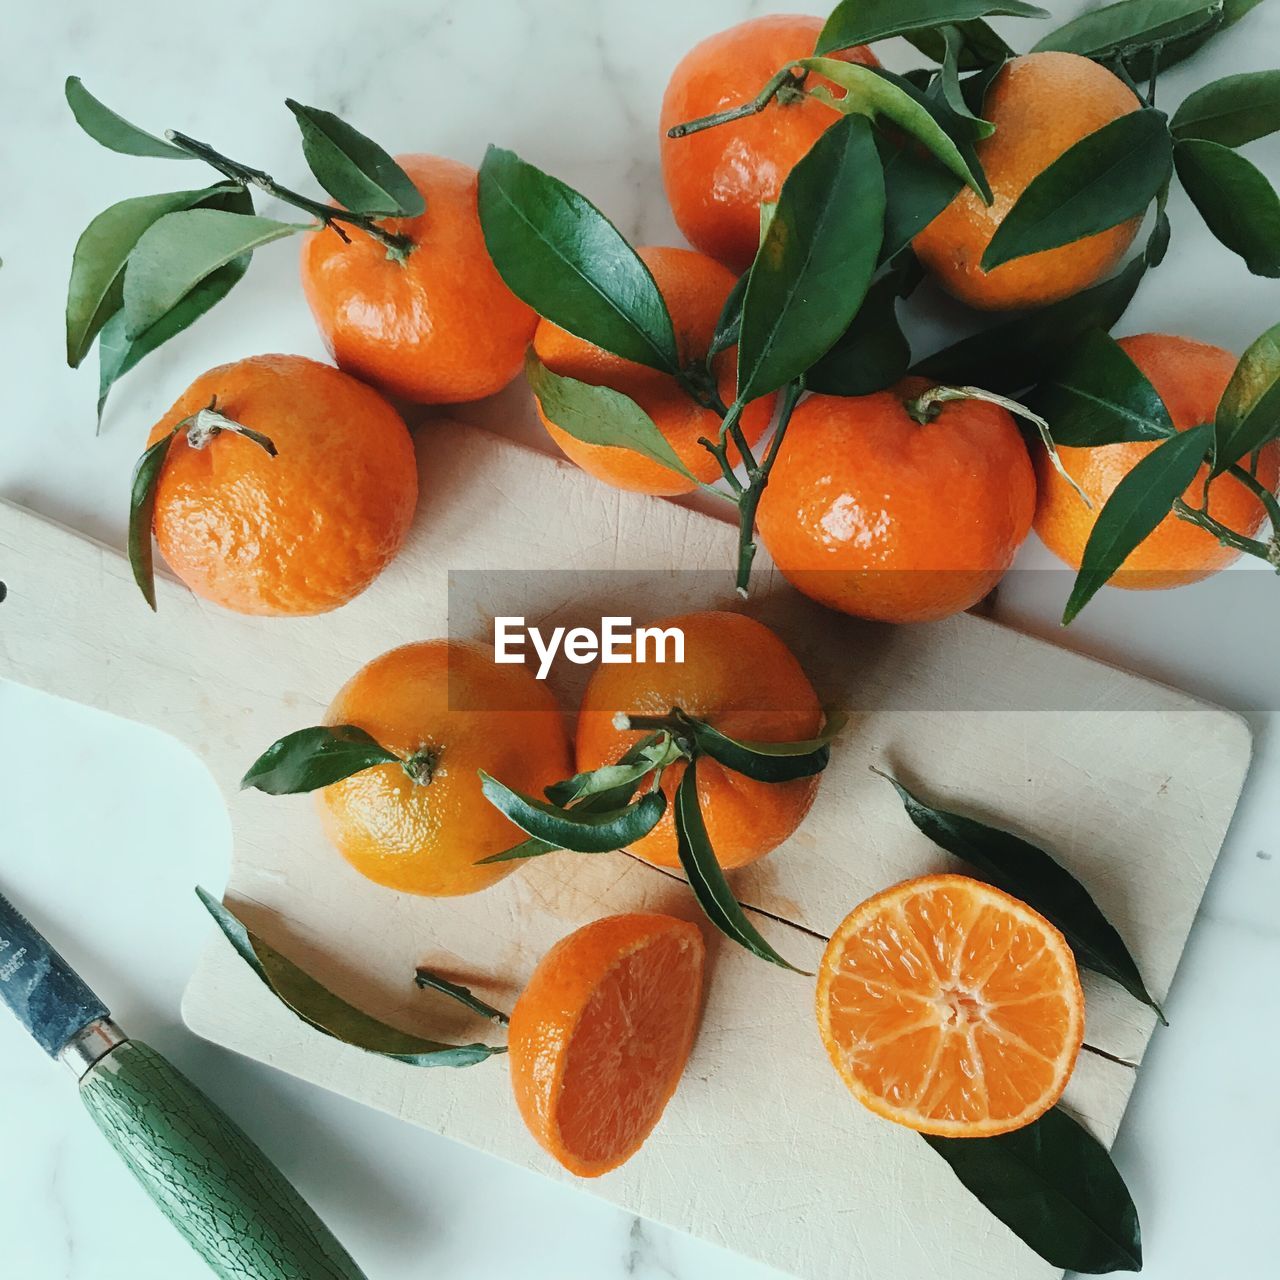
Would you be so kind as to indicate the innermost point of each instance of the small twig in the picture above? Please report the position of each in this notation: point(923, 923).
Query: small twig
point(1270, 553)
point(786, 79)
point(398, 247)
point(1260, 491)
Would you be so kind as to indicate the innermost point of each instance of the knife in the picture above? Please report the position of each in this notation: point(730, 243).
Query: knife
point(235, 1208)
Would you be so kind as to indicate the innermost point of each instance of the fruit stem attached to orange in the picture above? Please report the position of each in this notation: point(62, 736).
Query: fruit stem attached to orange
point(786, 85)
point(398, 247)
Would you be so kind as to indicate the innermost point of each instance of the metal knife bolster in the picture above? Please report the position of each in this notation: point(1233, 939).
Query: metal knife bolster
point(90, 1045)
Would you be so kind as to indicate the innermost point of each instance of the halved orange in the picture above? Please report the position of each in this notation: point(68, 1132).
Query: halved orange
point(950, 1007)
point(600, 1036)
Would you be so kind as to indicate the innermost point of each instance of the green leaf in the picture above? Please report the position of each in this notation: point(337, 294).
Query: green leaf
point(429, 981)
point(353, 169)
point(1139, 502)
point(181, 249)
point(949, 81)
point(142, 509)
point(872, 354)
point(309, 759)
point(862, 21)
point(1108, 177)
point(600, 415)
point(730, 322)
point(916, 190)
point(113, 131)
point(706, 877)
point(579, 830)
point(1133, 26)
point(1248, 414)
point(559, 253)
point(1231, 111)
point(1236, 201)
point(117, 353)
point(882, 96)
point(1034, 877)
point(317, 1006)
point(816, 260)
point(1097, 395)
point(1015, 353)
point(617, 782)
point(767, 761)
point(96, 289)
point(1055, 1187)
point(980, 44)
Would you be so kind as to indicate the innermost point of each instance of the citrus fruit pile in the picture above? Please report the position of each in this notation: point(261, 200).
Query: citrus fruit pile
point(769, 365)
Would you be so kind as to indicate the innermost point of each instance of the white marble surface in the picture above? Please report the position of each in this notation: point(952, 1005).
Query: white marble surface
point(106, 826)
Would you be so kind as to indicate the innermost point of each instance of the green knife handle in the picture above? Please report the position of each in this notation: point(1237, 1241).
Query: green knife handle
point(207, 1176)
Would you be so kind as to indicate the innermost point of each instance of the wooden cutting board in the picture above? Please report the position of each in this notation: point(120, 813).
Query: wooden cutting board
point(762, 1150)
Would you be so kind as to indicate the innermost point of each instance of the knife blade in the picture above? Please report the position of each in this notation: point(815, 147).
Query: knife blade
point(207, 1176)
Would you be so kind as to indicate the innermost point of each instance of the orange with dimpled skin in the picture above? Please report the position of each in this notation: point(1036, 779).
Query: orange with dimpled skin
point(436, 328)
point(716, 179)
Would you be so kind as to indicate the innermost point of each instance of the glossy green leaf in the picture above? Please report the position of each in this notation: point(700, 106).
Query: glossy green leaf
point(873, 352)
point(1138, 503)
point(600, 415)
point(916, 190)
point(863, 21)
point(950, 87)
point(327, 1013)
point(1097, 395)
point(980, 44)
point(706, 877)
point(117, 353)
point(617, 781)
point(1015, 353)
point(767, 761)
point(1056, 1188)
point(729, 324)
point(309, 759)
point(816, 260)
point(1034, 877)
point(1248, 414)
point(1231, 111)
point(580, 830)
point(429, 981)
point(1132, 26)
point(882, 96)
point(142, 509)
point(113, 131)
point(559, 253)
point(353, 169)
point(1108, 177)
point(1237, 202)
point(96, 290)
point(181, 249)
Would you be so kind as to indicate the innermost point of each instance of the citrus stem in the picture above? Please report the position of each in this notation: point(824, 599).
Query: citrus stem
point(398, 247)
point(1268, 552)
point(786, 79)
point(1261, 492)
point(421, 766)
point(757, 481)
point(205, 425)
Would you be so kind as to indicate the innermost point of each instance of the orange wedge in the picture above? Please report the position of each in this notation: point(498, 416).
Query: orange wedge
point(951, 1008)
point(599, 1038)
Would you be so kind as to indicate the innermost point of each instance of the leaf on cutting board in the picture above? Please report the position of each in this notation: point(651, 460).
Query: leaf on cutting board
point(1034, 877)
point(327, 1013)
point(706, 877)
point(767, 761)
point(1055, 1186)
point(309, 759)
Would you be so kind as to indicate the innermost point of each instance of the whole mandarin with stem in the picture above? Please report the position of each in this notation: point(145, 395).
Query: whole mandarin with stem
point(304, 531)
point(694, 288)
point(716, 179)
point(434, 324)
point(743, 680)
point(1041, 105)
point(451, 711)
point(878, 514)
point(1190, 378)
point(600, 1036)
